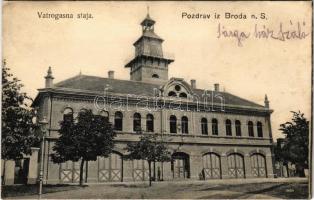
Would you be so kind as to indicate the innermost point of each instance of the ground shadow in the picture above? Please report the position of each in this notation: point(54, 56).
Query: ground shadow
point(273, 190)
point(135, 185)
point(26, 190)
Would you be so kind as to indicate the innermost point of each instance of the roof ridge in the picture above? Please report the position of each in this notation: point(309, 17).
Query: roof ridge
point(124, 80)
point(99, 77)
point(69, 79)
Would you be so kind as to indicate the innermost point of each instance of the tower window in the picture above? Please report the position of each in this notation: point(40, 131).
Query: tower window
point(155, 76)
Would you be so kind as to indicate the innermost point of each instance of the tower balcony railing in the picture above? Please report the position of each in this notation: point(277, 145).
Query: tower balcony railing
point(169, 55)
point(166, 55)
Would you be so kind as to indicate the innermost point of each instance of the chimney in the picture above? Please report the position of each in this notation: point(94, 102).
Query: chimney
point(216, 85)
point(193, 83)
point(111, 74)
point(266, 101)
point(49, 79)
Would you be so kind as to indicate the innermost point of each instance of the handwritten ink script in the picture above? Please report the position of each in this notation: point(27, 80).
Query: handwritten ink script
point(283, 32)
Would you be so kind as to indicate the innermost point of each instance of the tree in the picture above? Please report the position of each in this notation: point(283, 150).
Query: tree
point(18, 130)
point(281, 155)
point(296, 147)
point(84, 139)
point(150, 149)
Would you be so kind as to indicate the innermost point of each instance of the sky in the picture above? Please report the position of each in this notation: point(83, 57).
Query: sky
point(280, 69)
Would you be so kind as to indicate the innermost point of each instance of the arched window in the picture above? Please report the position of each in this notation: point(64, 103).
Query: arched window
point(105, 115)
point(183, 95)
point(155, 76)
point(185, 124)
point(118, 121)
point(214, 126)
point(150, 123)
point(136, 122)
point(204, 126)
point(173, 124)
point(250, 128)
point(68, 114)
point(259, 129)
point(83, 110)
point(228, 127)
point(172, 94)
point(238, 128)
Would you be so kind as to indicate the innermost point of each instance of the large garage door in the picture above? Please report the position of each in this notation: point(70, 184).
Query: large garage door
point(211, 166)
point(140, 170)
point(70, 172)
point(258, 164)
point(110, 168)
point(235, 166)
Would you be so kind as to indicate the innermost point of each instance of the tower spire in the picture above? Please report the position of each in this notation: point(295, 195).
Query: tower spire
point(148, 11)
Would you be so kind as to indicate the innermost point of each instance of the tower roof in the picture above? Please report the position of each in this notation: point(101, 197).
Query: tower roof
point(148, 21)
point(149, 34)
point(148, 29)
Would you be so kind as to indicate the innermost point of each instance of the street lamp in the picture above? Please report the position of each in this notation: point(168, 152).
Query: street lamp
point(43, 128)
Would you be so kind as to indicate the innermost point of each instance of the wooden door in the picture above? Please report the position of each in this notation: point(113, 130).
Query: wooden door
point(140, 170)
point(70, 172)
point(258, 165)
point(179, 168)
point(236, 166)
point(211, 166)
point(110, 168)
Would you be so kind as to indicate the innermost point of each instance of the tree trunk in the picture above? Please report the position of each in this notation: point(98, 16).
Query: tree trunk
point(154, 171)
point(287, 168)
point(81, 172)
point(3, 173)
point(86, 171)
point(300, 170)
point(149, 172)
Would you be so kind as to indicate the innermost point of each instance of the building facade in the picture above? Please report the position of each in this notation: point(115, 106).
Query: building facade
point(212, 134)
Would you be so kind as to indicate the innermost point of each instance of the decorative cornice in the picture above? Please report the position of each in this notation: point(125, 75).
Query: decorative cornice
point(75, 95)
point(167, 135)
point(189, 143)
